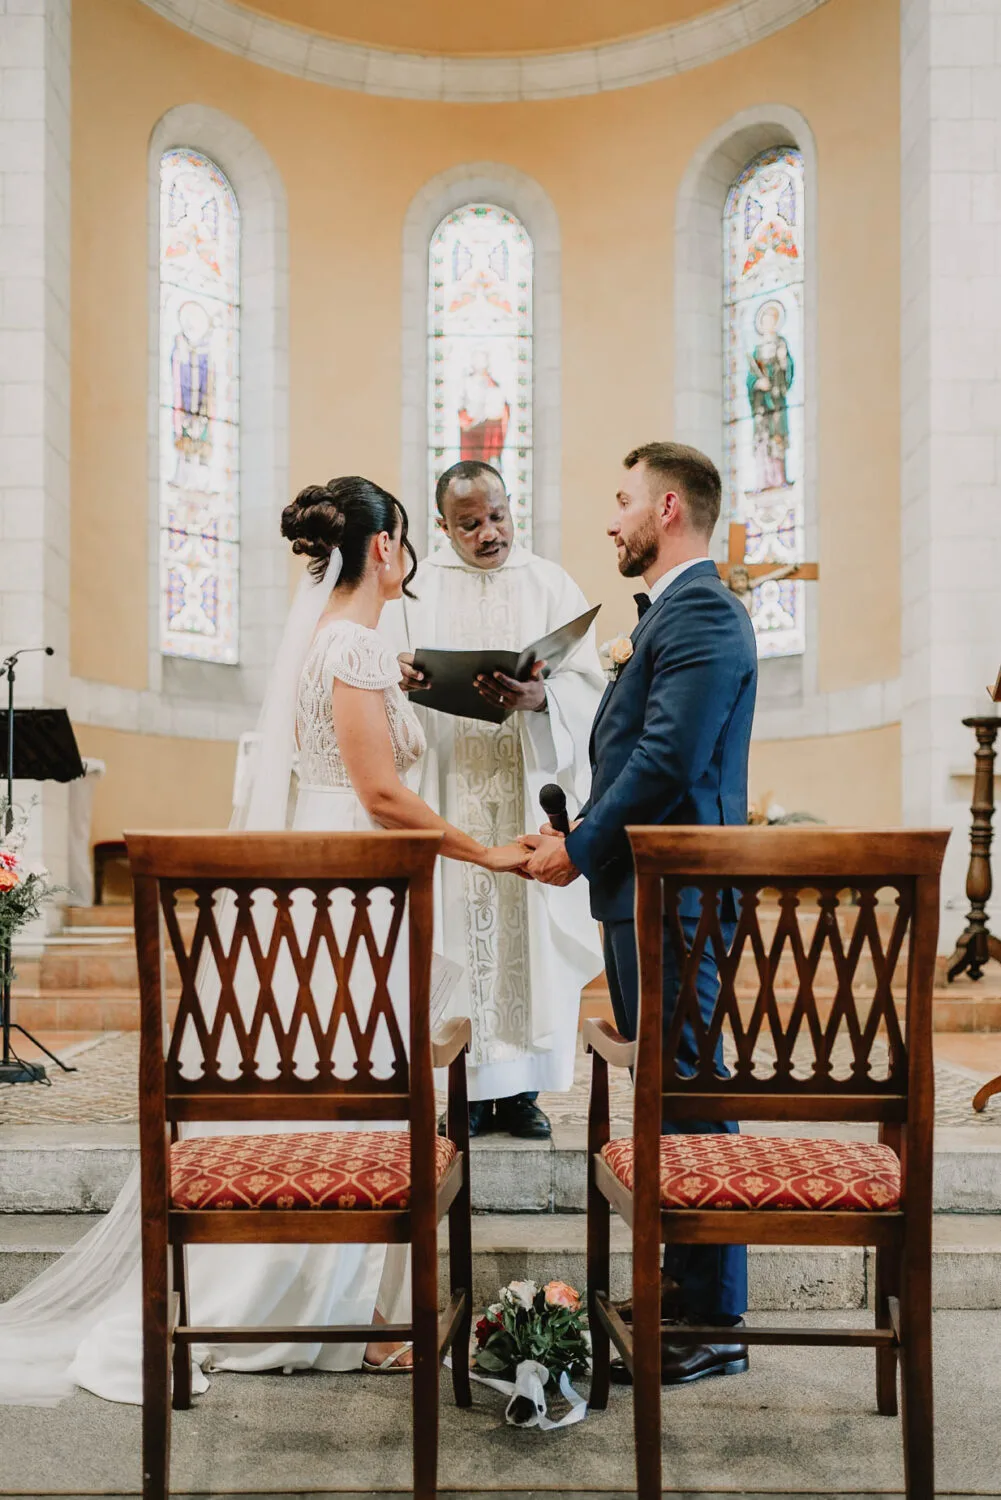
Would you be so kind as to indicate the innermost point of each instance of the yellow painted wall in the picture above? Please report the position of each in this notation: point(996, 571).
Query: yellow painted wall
point(152, 782)
point(850, 780)
point(454, 27)
point(611, 165)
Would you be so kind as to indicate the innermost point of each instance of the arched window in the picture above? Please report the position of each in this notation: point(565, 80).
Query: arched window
point(480, 360)
point(764, 367)
point(199, 367)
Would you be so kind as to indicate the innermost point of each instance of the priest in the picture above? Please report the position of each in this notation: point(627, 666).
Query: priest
point(527, 949)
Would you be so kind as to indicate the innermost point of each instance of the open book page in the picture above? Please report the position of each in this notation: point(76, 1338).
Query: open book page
point(445, 975)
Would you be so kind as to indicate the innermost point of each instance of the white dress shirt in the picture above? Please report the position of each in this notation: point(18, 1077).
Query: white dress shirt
point(666, 579)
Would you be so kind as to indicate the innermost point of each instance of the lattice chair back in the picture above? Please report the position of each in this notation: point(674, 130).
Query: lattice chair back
point(289, 949)
point(824, 944)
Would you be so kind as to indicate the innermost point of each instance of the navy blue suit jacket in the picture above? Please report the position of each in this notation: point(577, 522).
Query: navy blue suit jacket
point(671, 736)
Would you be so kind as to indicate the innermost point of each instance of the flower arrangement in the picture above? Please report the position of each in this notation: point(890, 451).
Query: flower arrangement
point(766, 813)
point(614, 655)
point(527, 1322)
point(23, 891)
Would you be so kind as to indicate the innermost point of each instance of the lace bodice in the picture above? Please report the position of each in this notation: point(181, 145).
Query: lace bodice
point(353, 654)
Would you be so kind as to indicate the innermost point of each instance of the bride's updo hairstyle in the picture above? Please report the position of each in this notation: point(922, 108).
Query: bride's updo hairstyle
point(345, 513)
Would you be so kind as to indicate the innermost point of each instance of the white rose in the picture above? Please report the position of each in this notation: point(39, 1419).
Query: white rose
point(522, 1293)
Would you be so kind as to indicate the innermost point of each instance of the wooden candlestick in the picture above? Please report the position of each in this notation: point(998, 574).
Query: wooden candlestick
point(976, 945)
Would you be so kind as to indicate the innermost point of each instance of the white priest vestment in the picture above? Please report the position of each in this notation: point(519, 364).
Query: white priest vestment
point(527, 949)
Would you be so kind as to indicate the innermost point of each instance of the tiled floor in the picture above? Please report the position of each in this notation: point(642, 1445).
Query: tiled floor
point(103, 1090)
point(978, 1051)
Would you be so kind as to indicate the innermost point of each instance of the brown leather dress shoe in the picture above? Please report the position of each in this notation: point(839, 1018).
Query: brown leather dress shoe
point(680, 1364)
point(671, 1307)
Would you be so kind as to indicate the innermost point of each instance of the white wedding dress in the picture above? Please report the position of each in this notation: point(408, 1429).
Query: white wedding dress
point(79, 1323)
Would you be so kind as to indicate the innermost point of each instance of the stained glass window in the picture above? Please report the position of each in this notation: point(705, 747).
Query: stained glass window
point(764, 379)
point(199, 476)
point(480, 352)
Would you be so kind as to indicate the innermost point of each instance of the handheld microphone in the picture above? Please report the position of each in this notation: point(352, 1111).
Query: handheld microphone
point(553, 801)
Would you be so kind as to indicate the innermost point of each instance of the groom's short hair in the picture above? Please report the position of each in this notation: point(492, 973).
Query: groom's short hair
point(695, 477)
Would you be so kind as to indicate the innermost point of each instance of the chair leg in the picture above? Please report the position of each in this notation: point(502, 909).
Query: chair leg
point(646, 1369)
point(424, 1262)
point(887, 1286)
point(460, 1266)
point(916, 1385)
point(156, 1365)
point(181, 1360)
point(598, 1279)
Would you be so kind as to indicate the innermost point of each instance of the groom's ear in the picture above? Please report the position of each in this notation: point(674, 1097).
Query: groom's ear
point(671, 508)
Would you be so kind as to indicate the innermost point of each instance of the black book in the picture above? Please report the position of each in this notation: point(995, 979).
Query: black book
point(452, 674)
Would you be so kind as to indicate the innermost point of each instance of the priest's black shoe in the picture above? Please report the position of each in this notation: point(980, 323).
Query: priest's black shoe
point(680, 1364)
point(520, 1116)
point(481, 1118)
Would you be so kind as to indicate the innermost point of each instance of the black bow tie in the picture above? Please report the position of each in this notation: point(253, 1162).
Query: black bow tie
point(643, 603)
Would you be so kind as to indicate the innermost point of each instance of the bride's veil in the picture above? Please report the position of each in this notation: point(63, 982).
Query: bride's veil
point(43, 1325)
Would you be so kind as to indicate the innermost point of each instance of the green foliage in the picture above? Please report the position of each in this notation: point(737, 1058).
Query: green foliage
point(23, 893)
point(510, 1332)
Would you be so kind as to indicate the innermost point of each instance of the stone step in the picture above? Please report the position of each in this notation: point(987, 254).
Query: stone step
point(80, 1169)
point(966, 1267)
point(116, 915)
point(115, 1006)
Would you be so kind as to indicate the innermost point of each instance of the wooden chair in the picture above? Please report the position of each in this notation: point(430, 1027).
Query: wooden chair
point(808, 1192)
point(292, 881)
point(108, 852)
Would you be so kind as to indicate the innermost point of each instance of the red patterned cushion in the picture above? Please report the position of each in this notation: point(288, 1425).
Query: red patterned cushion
point(319, 1169)
point(756, 1171)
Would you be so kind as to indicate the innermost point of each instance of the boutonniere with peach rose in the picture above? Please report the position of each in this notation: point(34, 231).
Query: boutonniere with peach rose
point(614, 655)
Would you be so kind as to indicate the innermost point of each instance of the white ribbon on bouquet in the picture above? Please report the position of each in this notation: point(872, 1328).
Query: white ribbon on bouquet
point(529, 1379)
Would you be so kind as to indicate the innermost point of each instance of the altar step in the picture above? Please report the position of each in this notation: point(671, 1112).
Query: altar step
point(102, 1002)
point(85, 979)
point(966, 1264)
point(67, 1169)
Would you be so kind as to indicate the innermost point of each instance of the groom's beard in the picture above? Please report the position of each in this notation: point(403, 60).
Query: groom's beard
point(640, 553)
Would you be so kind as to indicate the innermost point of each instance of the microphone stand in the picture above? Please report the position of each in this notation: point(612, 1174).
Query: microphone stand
point(12, 1068)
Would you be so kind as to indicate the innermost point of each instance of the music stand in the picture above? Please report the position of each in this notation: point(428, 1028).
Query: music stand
point(36, 744)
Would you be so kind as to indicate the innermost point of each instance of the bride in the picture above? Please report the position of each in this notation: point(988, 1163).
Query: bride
point(334, 691)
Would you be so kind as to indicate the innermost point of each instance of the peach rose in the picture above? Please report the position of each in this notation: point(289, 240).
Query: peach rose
point(8, 879)
point(620, 651)
point(559, 1294)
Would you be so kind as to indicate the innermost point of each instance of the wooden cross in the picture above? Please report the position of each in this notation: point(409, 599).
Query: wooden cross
point(741, 577)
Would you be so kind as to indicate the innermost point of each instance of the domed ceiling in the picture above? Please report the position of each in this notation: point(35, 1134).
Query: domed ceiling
point(451, 27)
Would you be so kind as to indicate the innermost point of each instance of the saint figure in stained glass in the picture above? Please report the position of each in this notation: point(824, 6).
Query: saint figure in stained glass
point(763, 340)
point(480, 359)
point(199, 406)
point(769, 378)
point(192, 375)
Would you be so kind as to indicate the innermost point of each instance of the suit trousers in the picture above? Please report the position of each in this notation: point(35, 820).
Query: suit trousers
point(712, 1278)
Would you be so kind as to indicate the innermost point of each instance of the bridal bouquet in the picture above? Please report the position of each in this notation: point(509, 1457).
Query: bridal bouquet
point(532, 1335)
point(23, 891)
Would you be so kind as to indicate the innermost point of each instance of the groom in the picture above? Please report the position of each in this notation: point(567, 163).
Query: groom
point(669, 745)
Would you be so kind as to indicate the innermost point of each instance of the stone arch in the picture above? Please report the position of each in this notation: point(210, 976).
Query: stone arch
point(790, 682)
point(260, 194)
point(487, 182)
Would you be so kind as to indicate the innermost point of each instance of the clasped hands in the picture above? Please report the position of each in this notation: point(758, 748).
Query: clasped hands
point(548, 860)
point(538, 856)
